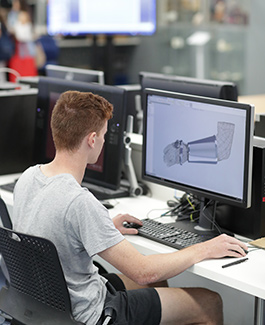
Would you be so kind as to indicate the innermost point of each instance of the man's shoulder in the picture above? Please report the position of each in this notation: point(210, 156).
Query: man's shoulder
point(28, 173)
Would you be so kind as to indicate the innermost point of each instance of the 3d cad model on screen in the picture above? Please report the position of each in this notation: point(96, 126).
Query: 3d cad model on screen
point(208, 150)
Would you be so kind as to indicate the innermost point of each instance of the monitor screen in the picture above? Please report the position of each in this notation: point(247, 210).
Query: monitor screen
point(199, 145)
point(69, 73)
point(106, 171)
point(201, 87)
point(75, 17)
point(17, 129)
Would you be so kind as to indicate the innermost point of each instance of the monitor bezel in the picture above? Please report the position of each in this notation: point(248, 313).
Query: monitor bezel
point(71, 73)
point(248, 158)
point(199, 87)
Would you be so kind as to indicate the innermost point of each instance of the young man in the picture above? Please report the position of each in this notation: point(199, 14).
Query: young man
point(49, 202)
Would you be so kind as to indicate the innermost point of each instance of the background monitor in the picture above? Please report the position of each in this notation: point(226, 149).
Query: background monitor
point(75, 17)
point(201, 87)
point(133, 106)
point(107, 170)
point(199, 145)
point(17, 129)
point(69, 73)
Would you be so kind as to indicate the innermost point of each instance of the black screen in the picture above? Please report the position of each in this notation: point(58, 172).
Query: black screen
point(17, 129)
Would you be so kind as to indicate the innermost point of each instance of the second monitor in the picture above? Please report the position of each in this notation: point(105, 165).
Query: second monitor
point(75, 74)
point(193, 86)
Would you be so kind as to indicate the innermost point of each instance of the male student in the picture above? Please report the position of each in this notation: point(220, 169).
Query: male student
point(49, 202)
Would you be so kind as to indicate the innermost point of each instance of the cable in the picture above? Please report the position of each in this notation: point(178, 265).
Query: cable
point(193, 207)
point(148, 217)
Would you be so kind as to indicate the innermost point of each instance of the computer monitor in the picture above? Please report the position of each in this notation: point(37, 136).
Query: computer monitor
point(17, 129)
point(199, 145)
point(105, 174)
point(133, 106)
point(73, 17)
point(77, 74)
point(193, 86)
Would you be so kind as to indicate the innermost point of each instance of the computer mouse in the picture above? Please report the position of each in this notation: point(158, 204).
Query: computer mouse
point(246, 251)
point(131, 225)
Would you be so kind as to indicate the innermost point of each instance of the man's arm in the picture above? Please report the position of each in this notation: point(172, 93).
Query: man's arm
point(154, 268)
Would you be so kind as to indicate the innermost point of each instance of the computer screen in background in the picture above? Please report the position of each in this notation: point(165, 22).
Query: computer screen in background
point(105, 175)
point(17, 129)
point(133, 106)
point(76, 17)
point(77, 74)
point(199, 145)
point(193, 86)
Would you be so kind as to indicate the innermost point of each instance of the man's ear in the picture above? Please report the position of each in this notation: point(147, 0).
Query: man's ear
point(91, 139)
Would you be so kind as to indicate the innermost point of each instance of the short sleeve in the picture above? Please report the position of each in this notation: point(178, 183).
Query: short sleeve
point(92, 224)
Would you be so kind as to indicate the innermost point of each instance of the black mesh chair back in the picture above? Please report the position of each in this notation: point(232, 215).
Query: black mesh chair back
point(36, 293)
point(4, 215)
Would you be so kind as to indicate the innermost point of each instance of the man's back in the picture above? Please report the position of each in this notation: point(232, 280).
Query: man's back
point(58, 209)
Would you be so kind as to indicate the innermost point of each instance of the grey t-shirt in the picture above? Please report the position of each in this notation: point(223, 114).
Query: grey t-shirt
point(59, 209)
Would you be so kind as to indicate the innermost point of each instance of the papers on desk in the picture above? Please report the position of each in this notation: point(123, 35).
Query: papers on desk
point(260, 243)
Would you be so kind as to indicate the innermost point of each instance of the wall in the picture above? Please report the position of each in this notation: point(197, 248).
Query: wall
point(255, 50)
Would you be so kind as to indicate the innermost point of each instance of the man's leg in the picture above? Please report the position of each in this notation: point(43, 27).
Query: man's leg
point(131, 285)
point(190, 306)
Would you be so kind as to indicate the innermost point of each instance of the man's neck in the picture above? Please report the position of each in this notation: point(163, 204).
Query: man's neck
point(65, 163)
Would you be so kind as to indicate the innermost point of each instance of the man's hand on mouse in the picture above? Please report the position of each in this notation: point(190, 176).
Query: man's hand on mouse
point(225, 245)
point(121, 219)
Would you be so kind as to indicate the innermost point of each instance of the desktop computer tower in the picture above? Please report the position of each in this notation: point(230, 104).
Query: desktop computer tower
point(248, 222)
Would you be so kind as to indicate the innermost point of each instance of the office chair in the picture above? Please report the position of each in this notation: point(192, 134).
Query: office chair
point(36, 292)
point(7, 223)
point(4, 215)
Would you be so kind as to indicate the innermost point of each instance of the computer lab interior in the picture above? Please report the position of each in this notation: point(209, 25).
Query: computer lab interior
point(187, 140)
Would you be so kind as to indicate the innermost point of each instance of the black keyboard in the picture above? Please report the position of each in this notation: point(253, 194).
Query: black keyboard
point(170, 234)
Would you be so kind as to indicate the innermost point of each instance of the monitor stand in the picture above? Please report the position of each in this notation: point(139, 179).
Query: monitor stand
point(207, 215)
point(206, 226)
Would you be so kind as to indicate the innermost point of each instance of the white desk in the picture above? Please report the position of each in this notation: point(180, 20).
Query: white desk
point(247, 277)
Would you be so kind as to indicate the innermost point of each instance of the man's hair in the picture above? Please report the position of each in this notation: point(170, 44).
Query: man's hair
point(75, 115)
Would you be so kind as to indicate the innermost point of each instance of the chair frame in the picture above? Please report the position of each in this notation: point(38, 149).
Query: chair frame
point(37, 292)
point(4, 215)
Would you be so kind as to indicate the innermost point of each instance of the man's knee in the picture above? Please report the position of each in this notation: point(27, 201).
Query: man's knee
point(213, 306)
point(215, 299)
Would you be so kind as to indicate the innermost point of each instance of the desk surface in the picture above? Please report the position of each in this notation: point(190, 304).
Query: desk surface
point(247, 277)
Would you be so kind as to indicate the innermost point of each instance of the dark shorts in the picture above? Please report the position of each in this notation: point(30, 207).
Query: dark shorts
point(132, 307)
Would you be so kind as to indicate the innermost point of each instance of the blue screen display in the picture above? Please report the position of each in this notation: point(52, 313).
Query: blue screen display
point(75, 17)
